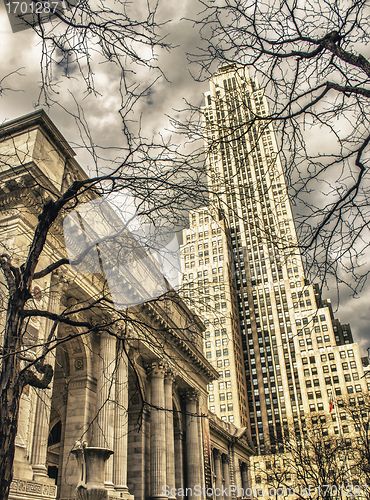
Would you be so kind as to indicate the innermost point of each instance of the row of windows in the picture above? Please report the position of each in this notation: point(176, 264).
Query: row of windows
point(202, 262)
point(319, 340)
point(331, 356)
point(333, 368)
point(302, 304)
point(215, 270)
point(315, 319)
point(221, 396)
point(218, 343)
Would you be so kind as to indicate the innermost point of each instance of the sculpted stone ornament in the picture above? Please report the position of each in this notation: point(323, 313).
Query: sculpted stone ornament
point(91, 462)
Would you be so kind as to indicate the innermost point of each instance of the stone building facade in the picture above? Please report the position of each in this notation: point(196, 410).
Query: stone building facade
point(138, 388)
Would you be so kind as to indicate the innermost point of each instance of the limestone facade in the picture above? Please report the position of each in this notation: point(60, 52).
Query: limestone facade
point(137, 388)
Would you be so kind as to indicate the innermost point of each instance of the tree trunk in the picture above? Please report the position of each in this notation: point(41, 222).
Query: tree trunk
point(9, 411)
point(11, 386)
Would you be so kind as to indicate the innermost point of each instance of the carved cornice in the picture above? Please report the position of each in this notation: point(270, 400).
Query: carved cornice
point(185, 345)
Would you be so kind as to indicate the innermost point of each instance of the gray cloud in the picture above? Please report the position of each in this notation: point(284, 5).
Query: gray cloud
point(22, 51)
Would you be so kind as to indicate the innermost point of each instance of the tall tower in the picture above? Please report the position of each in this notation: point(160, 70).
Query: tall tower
point(294, 351)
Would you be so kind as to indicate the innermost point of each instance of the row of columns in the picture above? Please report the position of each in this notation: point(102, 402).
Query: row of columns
point(222, 473)
point(112, 422)
point(162, 446)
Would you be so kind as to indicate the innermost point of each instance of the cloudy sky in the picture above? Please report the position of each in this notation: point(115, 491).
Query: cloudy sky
point(21, 54)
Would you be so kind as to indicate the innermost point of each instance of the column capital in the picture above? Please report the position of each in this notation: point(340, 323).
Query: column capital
point(216, 453)
point(190, 395)
point(155, 369)
point(225, 458)
point(243, 465)
point(169, 375)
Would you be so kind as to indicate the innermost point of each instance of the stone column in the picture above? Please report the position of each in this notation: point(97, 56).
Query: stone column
point(43, 402)
point(121, 424)
point(179, 466)
point(158, 446)
point(218, 473)
point(226, 473)
point(104, 429)
point(193, 446)
point(245, 479)
point(170, 438)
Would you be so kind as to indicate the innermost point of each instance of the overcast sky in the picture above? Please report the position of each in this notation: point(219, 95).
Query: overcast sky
point(22, 51)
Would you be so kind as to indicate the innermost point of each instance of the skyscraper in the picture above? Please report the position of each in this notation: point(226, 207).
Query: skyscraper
point(294, 351)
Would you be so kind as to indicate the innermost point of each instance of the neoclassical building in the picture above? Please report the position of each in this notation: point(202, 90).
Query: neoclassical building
point(136, 389)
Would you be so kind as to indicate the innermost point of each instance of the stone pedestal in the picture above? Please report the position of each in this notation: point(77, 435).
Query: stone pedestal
point(91, 462)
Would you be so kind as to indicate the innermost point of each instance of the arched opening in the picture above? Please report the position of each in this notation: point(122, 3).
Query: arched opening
point(54, 439)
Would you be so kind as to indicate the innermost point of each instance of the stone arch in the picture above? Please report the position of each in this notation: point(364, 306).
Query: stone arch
point(53, 458)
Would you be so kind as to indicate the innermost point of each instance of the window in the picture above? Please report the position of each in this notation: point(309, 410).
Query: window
point(342, 354)
point(347, 377)
point(221, 385)
point(350, 389)
point(331, 355)
point(333, 368)
point(222, 408)
point(350, 353)
point(308, 383)
point(208, 355)
point(353, 364)
point(319, 340)
point(325, 369)
point(358, 388)
point(304, 361)
point(323, 357)
point(345, 366)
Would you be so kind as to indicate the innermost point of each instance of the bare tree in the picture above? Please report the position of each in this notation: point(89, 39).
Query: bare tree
point(322, 456)
point(311, 62)
point(160, 191)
